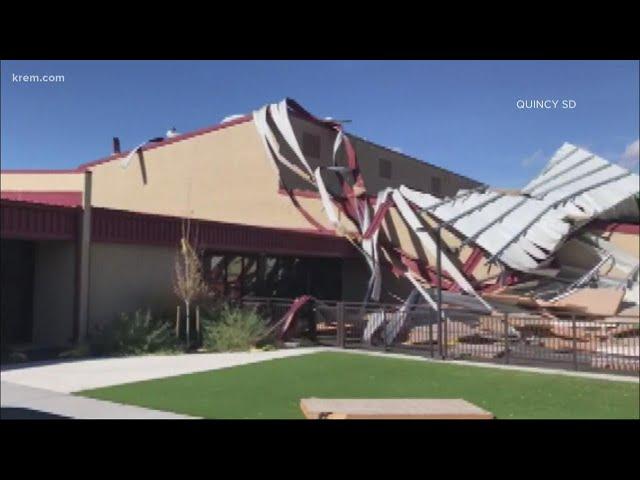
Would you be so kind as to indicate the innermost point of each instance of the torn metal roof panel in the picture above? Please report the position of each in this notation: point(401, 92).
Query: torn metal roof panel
point(522, 231)
point(585, 180)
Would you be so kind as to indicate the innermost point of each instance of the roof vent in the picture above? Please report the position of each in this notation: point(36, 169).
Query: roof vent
point(116, 145)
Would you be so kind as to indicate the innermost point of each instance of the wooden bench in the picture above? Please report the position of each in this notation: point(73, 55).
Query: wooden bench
point(406, 408)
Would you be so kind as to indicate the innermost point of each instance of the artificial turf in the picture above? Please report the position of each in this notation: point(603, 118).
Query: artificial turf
point(273, 389)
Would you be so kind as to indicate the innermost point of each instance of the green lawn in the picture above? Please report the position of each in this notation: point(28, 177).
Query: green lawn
point(272, 389)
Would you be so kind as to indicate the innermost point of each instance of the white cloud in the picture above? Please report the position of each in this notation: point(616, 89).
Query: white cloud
point(536, 157)
point(630, 158)
point(397, 149)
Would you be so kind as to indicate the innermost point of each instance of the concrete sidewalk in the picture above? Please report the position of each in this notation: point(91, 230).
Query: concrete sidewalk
point(76, 375)
point(19, 402)
point(42, 390)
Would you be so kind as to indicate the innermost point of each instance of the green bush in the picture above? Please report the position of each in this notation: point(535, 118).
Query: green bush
point(80, 351)
point(134, 334)
point(13, 356)
point(232, 329)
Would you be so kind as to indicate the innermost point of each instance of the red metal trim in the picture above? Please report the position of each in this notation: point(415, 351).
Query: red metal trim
point(314, 194)
point(630, 228)
point(118, 226)
point(29, 221)
point(470, 265)
point(299, 193)
point(377, 219)
point(290, 317)
point(62, 198)
point(473, 261)
point(422, 269)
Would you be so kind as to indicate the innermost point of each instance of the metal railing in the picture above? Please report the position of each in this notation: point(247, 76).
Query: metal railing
point(577, 342)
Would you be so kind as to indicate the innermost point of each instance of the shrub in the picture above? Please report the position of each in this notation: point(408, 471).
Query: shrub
point(12, 356)
point(232, 329)
point(80, 351)
point(134, 334)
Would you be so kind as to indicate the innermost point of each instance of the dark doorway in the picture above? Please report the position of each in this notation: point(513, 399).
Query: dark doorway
point(16, 291)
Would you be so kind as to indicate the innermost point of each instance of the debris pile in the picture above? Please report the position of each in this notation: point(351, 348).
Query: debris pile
point(564, 245)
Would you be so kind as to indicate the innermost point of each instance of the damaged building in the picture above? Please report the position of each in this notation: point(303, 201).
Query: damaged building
point(80, 246)
point(284, 204)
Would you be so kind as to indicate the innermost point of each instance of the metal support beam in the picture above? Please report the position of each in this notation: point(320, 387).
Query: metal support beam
point(439, 268)
point(84, 239)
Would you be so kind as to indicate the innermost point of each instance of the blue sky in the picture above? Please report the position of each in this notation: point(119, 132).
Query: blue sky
point(461, 115)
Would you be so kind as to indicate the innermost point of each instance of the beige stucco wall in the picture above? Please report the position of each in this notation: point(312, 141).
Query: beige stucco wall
point(222, 175)
point(225, 175)
point(628, 242)
point(53, 296)
point(35, 182)
point(124, 278)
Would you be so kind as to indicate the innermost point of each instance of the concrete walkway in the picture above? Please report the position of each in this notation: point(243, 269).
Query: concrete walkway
point(20, 402)
point(42, 390)
point(76, 375)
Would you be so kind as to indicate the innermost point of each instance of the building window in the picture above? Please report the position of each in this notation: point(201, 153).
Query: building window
point(234, 276)
point(436, 185)
point(384, 168)
point(311, 145)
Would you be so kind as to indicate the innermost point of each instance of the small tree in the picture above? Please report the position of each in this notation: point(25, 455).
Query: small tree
point(189, 283)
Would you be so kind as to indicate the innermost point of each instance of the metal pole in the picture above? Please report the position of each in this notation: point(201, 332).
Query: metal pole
point(506, 338)
point(439, 269)
point(431, 336)
point(198, 336)
point(575, 342)
point(187, 325)
point(178, 322)
point(384, 329)
point(340, 324)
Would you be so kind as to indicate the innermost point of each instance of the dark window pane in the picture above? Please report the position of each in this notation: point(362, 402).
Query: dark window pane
point(250, 276)
point(234, 277)
point(214, 273)
point(384, 168)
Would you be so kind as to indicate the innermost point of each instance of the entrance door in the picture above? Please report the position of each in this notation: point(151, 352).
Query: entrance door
point(16, 291)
